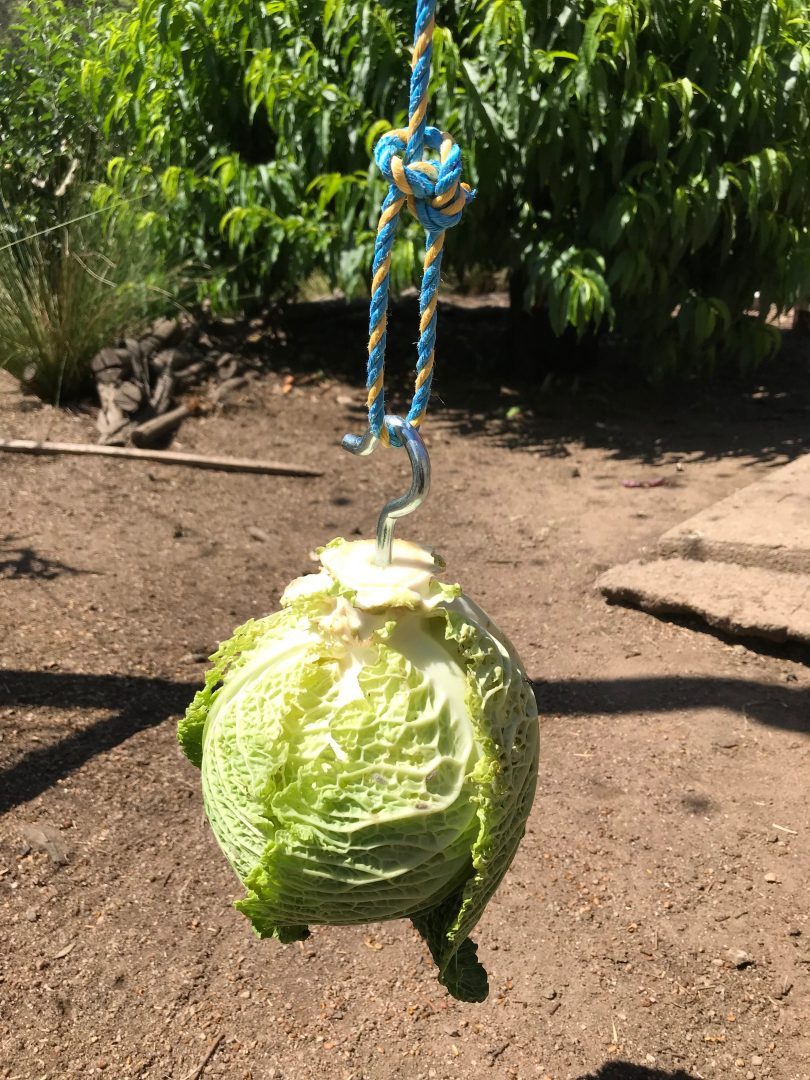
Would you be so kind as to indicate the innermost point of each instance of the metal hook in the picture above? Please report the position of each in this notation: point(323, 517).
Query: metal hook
point(362, 446)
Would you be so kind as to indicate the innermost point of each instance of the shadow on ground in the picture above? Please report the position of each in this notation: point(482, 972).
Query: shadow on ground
point(24, 562)
point(521, 388)
point(625, 1070)
point(135, 703)
point(767, 703)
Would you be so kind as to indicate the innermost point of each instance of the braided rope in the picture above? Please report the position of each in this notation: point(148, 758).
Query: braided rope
point(435, 194)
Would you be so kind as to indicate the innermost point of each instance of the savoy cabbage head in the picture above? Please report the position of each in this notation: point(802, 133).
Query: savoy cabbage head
point(369, 752)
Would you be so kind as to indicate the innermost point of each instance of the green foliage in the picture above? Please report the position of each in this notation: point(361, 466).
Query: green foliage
point(640, 165)
point(633, 159)
point(69, 282)
point(653, 161)
point(254, 122)
point(67, 293)
point(48, 132)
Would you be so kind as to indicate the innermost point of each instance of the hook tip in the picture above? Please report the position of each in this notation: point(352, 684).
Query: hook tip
point(360, 444)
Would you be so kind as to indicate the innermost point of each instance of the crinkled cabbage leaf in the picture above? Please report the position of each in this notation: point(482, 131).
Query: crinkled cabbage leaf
point(369, 752)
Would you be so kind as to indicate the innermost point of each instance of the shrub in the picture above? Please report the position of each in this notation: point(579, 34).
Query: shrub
point(634, 159)
point(48, 131)
point(69, 281)
point(640, 165)
point(66, 294)
point(254, 122)
point(651, 160)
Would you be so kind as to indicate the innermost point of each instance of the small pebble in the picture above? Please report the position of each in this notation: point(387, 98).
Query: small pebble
point(550, 994)
point(727, 742)
point(794, 931)
point(739, 958)
point(772, 879)
point(756, 1060)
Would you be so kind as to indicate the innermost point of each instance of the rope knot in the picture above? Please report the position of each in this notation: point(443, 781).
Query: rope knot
point(435, 193)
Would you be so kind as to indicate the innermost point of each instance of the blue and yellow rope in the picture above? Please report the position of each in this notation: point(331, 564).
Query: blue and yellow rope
point(436, 195)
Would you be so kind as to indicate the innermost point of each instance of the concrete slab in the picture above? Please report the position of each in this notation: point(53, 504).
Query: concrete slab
point(766, 525)
point(739, 600)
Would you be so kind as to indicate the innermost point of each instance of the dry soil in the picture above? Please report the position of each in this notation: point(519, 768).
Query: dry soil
point(655, 925)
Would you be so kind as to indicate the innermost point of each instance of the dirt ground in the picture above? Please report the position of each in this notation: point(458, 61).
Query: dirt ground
point(655, 925)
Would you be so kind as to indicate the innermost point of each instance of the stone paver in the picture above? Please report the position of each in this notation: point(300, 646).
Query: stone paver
point(766, 524)
point(742, 565)
point(740, 600)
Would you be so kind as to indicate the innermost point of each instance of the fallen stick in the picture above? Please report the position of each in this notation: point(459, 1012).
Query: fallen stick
point(165, 457)
point(150, 431)
point(195, 1074)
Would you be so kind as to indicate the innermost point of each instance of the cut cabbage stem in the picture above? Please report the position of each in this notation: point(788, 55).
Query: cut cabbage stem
point(412, 566)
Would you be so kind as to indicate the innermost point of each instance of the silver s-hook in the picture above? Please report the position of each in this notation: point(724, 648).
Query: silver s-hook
point(362, 446)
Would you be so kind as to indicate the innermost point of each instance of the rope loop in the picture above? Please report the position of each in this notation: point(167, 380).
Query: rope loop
point(436, 195)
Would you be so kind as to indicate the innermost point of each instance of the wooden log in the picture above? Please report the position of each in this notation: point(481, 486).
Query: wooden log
point(128, 397)
point(165, 457)
point(167, 331)
point(111, 365)
point(112, 425)
point(230, 386)
point(186, 376)
point(164, 360)
point(161, 397)
point(152, 431)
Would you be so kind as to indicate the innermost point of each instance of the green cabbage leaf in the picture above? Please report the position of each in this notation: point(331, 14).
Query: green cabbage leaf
point(369, 752)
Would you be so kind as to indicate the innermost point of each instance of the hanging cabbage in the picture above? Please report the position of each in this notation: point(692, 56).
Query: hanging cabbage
point(369, 752)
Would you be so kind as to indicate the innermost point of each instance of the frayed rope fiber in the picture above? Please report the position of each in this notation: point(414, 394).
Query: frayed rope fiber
point(437, 196)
